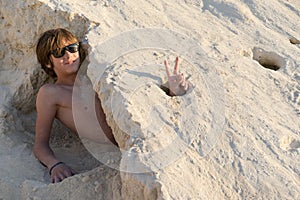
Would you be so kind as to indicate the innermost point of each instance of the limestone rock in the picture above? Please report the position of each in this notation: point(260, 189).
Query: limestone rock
point(234, 135)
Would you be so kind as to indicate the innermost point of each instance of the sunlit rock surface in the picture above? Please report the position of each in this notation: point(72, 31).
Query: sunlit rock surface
point(234, 135)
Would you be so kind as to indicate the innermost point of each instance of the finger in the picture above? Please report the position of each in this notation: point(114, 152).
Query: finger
point(176, 68)
point(73, 172)
point(56, 179)
point(183, 79)
point(62, 177)
point(180, 81)
point(67, 173)
point(186, 87)
point(167, 68)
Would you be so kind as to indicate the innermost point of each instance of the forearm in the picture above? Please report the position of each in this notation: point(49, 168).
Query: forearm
point(45, 155)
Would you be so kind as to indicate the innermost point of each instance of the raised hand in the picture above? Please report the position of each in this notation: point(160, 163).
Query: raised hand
point(177, 83)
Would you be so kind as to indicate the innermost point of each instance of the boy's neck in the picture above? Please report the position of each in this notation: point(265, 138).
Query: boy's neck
point(70, 80)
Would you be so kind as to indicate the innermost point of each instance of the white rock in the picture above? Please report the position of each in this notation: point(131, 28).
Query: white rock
point(180, 142)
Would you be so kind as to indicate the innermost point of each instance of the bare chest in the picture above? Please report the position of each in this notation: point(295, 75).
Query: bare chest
point(77, 111)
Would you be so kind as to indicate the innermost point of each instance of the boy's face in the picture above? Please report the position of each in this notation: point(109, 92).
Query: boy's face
point(68, 63)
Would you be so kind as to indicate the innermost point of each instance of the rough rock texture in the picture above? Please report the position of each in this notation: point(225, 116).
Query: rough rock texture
point(22, 176)
point(250, 46)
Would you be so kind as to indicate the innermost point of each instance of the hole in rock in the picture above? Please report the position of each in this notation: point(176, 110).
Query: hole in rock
point(294, 40)
point(165, 88)
point(267, 59)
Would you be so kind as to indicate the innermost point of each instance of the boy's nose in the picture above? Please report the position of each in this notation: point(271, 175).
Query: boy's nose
point(67, 53)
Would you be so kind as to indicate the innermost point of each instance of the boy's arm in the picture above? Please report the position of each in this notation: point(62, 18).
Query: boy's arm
point(46, 111)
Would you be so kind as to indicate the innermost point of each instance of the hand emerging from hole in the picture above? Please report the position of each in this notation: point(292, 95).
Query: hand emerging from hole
point(177, 83)
point(60, 172)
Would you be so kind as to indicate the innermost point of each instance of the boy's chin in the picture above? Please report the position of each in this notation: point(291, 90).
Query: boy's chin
point(72, 68)
point(74, 65)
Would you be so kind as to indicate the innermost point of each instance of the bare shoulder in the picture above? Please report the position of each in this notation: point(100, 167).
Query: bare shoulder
point(55, 94)
point(49, 92)
point(49, 88)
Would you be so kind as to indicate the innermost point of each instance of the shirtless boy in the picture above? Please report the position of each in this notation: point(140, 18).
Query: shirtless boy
point(60, 55)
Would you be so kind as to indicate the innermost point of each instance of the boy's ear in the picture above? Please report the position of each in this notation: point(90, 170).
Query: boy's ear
point(48, 66)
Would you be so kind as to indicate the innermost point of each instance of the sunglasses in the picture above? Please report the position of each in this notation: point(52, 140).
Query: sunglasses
point(72, 48)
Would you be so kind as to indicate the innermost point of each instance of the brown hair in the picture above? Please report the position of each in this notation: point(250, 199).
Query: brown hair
point(51, 40)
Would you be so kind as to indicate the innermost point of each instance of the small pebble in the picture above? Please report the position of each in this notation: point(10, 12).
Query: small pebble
point(86, 179)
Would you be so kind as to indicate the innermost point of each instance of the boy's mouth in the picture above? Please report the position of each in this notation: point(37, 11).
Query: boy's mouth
point(70, 62)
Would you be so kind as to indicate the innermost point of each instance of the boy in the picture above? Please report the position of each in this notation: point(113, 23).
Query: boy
point(60, 55)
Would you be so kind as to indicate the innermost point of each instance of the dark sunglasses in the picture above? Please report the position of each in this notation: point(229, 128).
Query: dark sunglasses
point(72, 48)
